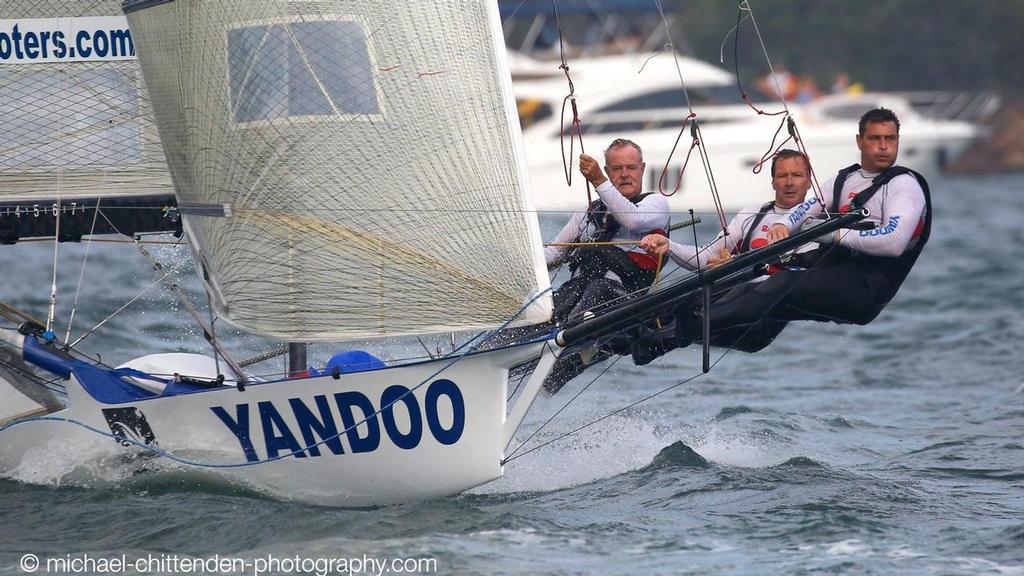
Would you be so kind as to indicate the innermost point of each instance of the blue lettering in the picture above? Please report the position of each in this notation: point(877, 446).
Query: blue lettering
point(324, 427)
point(348, 400)
point(60, 48)
point(121, 43)
point(31, 45)
point(16, 39)
point(445, 387)
point(100, 43)
point(894, 223)
point(798, 214)
point(44, 37)
point(362, 427)
point(239, 427)
point(5, 46)
point(272, 423)
point(81, 42)
point(393, 396)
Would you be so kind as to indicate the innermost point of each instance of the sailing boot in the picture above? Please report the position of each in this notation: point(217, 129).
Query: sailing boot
point(682, 331)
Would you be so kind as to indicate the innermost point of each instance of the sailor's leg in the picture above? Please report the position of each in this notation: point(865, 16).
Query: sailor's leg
point(567, 296)
point(839, 292)
point(752, 338)
point(596, 293)
point(570, 365)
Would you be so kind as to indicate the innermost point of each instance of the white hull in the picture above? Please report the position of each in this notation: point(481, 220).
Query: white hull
point(449, 435)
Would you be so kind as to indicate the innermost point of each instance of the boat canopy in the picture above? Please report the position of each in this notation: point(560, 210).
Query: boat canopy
point(346, 169)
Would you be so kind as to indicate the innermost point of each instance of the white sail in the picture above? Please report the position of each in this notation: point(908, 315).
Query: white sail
point(75, 119)
point(346, 169)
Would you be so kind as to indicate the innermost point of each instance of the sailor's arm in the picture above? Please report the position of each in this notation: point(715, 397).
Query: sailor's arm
point(726, 244)
point(794, 219)
point(648, 214)
point(686, 255)
point(554, 255)
point(902, 209)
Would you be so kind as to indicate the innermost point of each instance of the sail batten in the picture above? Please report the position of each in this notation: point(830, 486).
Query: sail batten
point(346, 169)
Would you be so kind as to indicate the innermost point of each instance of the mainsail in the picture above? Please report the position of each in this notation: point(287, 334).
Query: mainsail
point(346, 169)
point(76, 123)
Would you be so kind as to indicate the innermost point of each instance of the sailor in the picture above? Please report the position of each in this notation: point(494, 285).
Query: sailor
point(602, 272)
point(853, 275)
point(747, 231)
point(622, 212)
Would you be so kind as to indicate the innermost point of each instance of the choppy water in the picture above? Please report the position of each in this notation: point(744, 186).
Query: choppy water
point(896, 448)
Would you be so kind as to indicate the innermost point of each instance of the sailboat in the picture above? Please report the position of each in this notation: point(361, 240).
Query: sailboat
point(295, 134)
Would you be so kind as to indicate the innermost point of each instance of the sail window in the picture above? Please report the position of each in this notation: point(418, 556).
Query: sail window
point(300, 69)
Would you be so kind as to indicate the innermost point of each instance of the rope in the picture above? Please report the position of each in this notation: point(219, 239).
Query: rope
point(608, 243)
point(697, 138)
point(264, 357)
point(668, 160)
point(575, 130)
point(744, 5)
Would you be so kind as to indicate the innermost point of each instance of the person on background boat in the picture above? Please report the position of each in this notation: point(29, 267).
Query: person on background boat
point(602, 272)
point(748, 230)
point(854, 274)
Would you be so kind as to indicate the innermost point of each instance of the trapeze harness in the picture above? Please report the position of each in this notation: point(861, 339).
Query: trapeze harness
point(636, 270)
point(837, 283)
point(894, 269)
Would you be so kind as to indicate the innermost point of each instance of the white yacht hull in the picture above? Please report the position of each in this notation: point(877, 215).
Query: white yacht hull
point(639, 97)
point(289, 438)
point(735, 150)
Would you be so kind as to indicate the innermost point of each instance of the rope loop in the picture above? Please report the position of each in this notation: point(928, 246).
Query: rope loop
point(664, 171)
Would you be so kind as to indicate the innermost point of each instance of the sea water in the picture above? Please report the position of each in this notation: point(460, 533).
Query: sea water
point(893, 448)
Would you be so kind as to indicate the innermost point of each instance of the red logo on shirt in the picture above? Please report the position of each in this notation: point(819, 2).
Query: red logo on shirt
point(764, 228)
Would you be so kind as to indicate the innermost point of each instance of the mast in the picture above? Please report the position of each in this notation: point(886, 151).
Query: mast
point(296, 358)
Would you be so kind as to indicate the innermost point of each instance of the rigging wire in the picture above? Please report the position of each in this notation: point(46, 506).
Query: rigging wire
point(53, 287)
point(81, 274)
point(155, 283)
point(511, 455)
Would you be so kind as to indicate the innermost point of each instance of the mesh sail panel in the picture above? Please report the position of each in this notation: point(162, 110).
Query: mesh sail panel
point(346, 169)
point(73, 124)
